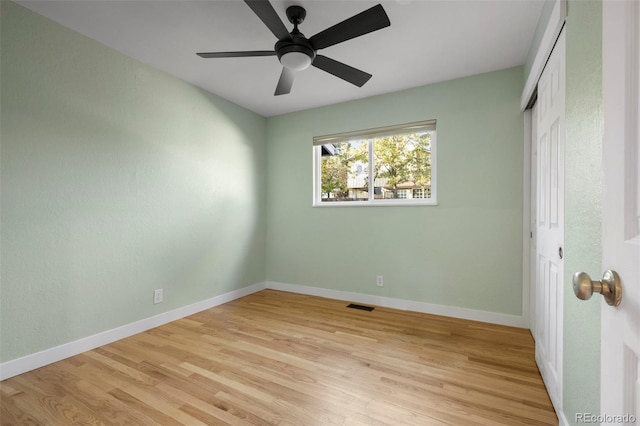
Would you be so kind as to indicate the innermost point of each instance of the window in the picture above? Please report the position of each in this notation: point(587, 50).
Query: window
point(399, 160)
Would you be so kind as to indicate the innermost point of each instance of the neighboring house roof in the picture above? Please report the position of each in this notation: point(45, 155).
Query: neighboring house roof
point(360, 181)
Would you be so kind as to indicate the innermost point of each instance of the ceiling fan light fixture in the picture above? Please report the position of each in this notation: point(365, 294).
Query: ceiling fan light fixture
point(295, 61)
point(296, 57)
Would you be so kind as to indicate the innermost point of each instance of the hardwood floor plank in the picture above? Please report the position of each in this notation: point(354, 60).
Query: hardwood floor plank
point(138, 406)
point(277, 358)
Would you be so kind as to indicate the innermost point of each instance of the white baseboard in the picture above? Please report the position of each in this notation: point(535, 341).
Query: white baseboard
point(407, 305)
point(39, 359)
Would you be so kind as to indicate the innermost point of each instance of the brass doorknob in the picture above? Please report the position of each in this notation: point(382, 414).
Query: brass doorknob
point(610, 287)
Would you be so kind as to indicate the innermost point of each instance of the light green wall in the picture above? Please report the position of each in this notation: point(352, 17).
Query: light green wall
point(116, 179)
point(465, 252)
point(583, 205)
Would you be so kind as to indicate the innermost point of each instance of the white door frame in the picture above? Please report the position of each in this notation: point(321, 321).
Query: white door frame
point(548, 40)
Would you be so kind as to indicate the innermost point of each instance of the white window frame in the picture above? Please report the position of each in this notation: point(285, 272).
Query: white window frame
point(370, 134)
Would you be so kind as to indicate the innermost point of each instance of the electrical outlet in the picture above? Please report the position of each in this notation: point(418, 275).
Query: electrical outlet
point(157, 296)
point(380, 281)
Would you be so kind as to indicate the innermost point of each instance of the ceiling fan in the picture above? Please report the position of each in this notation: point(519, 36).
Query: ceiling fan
point(296, 52)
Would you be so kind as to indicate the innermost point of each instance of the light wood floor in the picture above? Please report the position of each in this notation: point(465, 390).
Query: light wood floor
point(286, 359)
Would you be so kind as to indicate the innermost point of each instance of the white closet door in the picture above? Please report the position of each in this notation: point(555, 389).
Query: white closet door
point(550, 135)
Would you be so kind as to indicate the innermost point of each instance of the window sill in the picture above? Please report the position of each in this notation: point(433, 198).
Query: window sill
point(376, 203)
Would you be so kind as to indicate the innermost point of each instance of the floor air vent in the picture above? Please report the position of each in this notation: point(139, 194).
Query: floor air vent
point(361, 307)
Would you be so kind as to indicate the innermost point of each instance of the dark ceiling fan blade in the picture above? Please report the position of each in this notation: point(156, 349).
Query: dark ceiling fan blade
point(365, 22)
point(285, 82)
point(343, 71)
point(269, 16)
point(248, 53)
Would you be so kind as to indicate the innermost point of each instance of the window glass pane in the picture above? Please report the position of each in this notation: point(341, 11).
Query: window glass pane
point(402, 166)
point(389, 165)
point(345, 171)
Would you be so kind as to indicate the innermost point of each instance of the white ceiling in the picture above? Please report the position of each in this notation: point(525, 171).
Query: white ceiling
point(428, 41)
